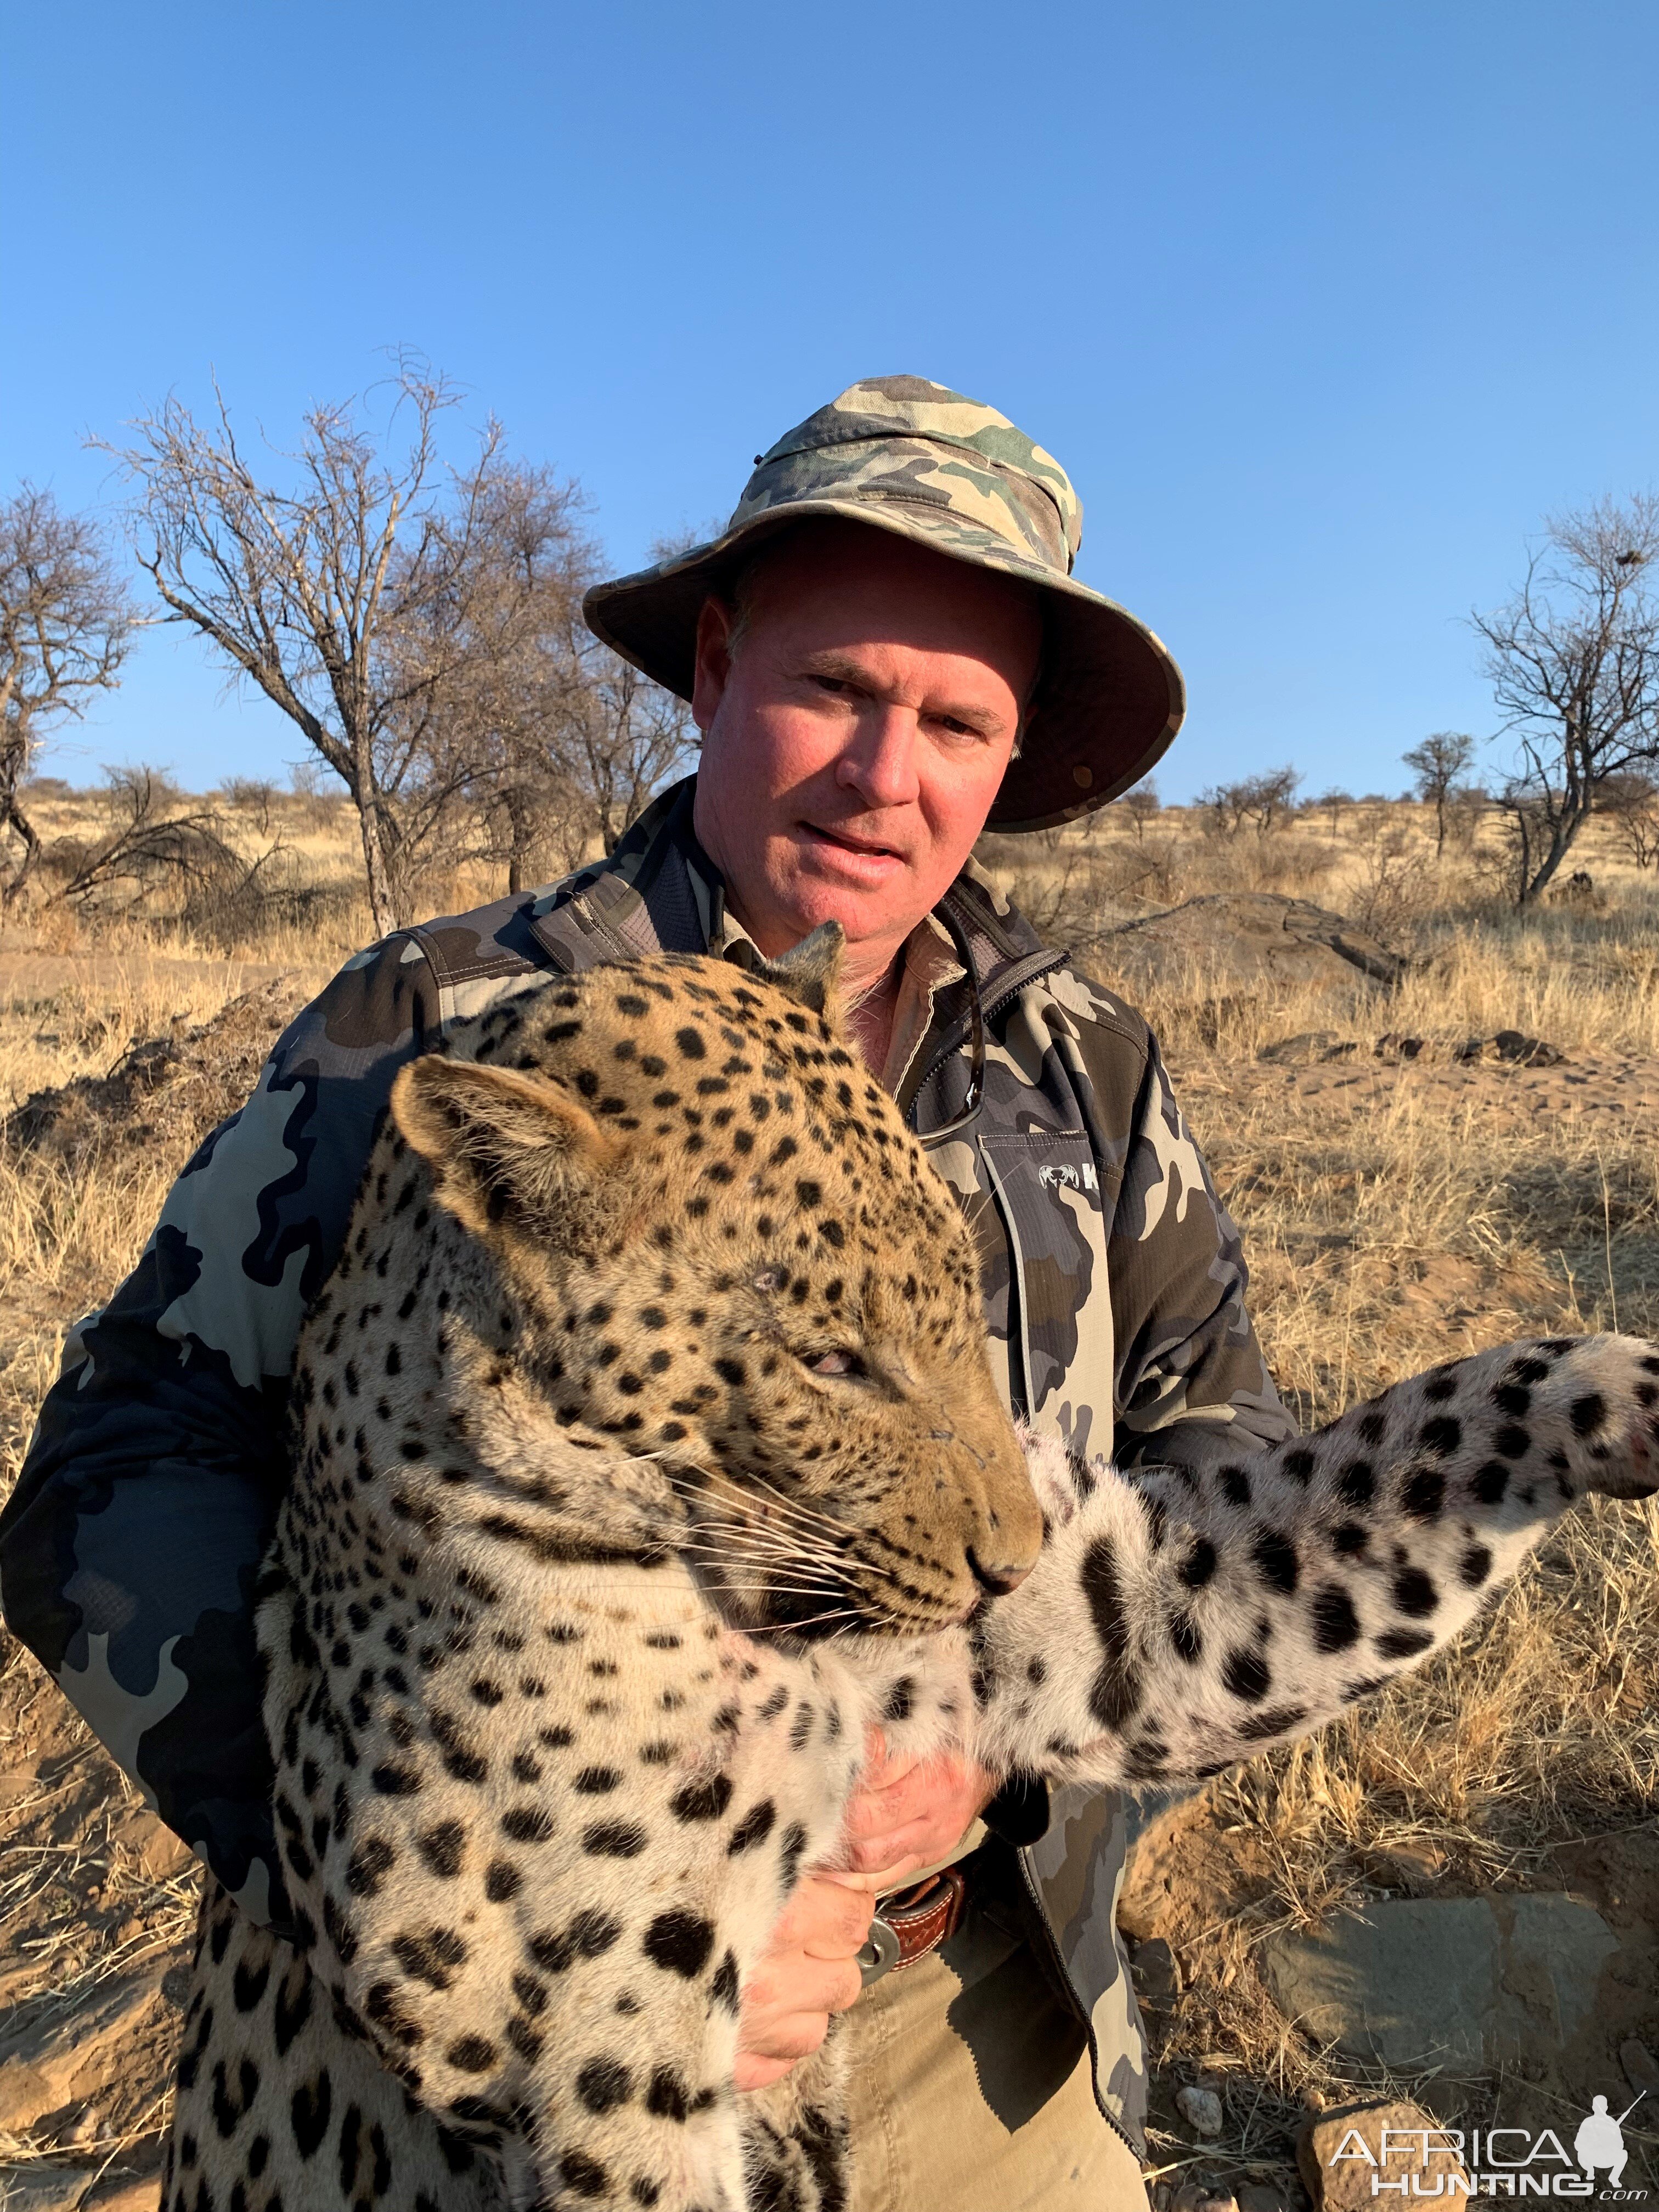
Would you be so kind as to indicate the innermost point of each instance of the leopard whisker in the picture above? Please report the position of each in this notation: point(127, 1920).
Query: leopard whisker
point(758, 1544)
point(789, 1627)
point(791, 1507)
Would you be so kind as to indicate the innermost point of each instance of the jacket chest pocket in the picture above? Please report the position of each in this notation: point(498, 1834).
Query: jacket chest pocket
point(1046, 1187)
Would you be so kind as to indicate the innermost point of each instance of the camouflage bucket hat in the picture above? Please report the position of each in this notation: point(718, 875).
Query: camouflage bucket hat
point(910, 457)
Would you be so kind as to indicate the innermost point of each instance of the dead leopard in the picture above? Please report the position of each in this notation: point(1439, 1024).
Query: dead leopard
point(647, 1451)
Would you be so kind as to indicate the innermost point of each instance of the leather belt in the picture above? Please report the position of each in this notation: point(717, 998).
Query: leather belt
point(911, 1922)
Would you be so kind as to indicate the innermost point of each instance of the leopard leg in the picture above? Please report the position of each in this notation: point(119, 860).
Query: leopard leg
point(279, 2105)
point(796, 2148)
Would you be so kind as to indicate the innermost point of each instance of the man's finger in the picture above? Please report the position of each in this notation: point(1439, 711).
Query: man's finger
point(827, 1917)
point(750, 2071)
point(795, 1984)
point(794, 2035)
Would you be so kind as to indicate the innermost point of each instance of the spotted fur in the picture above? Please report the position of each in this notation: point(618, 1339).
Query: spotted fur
point(646, 1453)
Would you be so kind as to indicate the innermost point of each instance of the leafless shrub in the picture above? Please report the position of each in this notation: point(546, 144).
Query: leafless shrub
point(1391, 890)
point(170, 859)
point(1142, 805)
point(253, 796)
point(1632, 800)
point(1265, 801)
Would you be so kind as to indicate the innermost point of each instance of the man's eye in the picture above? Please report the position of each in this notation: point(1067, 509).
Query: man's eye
point(836, 1363)
point(836, 686)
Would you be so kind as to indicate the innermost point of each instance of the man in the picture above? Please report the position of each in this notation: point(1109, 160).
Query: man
point(884, 650)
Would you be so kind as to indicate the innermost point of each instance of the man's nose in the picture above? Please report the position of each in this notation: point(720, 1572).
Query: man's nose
point(880, 763)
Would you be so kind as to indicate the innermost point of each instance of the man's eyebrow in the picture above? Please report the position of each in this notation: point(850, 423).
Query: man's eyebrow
point(844, 669)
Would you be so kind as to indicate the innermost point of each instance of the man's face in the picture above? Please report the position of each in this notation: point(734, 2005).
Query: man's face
point(855, 742)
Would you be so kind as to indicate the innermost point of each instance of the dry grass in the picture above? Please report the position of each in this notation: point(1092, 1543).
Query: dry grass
point(1391, 1213)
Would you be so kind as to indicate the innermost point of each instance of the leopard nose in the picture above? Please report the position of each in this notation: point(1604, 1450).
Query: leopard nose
point(995, 1576)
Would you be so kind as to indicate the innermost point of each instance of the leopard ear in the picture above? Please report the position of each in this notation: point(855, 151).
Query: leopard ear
point(510, 1154)
point(811, 971)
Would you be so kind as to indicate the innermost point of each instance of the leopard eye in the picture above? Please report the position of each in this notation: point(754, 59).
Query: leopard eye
point(836, 1363)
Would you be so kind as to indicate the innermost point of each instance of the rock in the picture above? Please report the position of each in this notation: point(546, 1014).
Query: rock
point(1305, 1049)
point(1577, 890)
point(120, 2194)
point(47, 2062)
point(1641, 2067)
point(52, 2188)
point(1157, 1974)
point(1511, 1046)
point(1413, 1868)
point(1338, 2153)
point(1263, 2196)
point(27, 2096)
point(1201, 2109)
point(1457, 1981)
point(1241, 939)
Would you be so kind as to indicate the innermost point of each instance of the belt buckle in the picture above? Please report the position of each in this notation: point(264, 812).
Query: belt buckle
point(880, 1951)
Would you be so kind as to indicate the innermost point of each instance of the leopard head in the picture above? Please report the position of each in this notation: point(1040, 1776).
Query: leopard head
point(722, 1250)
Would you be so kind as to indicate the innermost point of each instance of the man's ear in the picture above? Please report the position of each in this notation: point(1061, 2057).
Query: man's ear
point(713, 664)
point(811, 971)
point(507, 1152)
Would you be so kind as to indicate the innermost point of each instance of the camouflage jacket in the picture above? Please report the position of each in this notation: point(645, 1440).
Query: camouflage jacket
point(1114, 1299)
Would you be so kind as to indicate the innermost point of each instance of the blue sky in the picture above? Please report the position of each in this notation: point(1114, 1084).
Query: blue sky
point(1324, 307)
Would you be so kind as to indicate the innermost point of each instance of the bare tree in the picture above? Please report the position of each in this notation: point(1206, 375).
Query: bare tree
point(632, 736)
point(561, 743)
point(1574, 660)
point(308, 590)
point(1436, 764)
point(1263, 800)
point(65, 627)
point(1332, 802)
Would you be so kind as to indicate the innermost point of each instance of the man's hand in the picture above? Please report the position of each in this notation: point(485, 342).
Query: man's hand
point(904, 1814)
point(908, 1813)
point(810, 1972)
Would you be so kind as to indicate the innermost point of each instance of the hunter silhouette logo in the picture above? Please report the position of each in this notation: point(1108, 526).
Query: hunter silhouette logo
point(1600, 2139)
point(1447, 2162)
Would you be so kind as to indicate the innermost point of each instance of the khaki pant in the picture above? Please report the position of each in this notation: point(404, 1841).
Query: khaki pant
point(970, 2087)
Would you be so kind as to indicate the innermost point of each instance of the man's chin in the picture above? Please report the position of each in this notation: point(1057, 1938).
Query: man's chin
point(863, 915)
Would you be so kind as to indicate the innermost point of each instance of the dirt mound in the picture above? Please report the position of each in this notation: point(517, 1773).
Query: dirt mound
point(189, 1079)
point(1238, 939)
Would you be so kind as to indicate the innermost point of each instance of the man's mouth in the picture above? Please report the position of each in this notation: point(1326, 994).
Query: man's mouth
point(863, 848)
